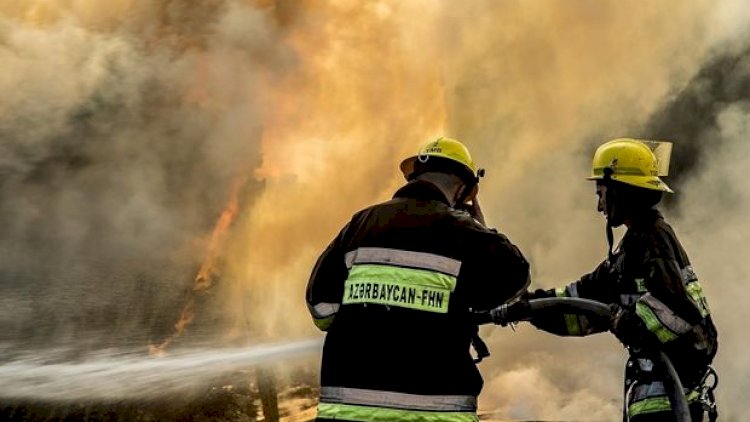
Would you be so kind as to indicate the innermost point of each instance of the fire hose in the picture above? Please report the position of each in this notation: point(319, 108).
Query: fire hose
point(505, 314)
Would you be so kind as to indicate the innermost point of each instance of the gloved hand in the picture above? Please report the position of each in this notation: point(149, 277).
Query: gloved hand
point(626, 326)
point(511, 312)
point(475, 210)
point(537, 294)
point(615, 317)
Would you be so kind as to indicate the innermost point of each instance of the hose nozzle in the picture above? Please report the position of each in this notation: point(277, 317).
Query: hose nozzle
point(509, 313)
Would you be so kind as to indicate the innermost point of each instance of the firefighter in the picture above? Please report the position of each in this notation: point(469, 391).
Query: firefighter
point(395, 291)
point(656, 299)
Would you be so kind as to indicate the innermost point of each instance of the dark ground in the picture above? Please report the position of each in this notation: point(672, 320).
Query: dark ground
point(227, 403)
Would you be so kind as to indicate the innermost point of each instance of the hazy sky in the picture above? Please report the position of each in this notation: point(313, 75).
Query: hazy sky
point(124, 126)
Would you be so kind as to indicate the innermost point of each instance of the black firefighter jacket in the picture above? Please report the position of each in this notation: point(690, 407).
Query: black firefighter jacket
point(651, 277)
point(394, 291)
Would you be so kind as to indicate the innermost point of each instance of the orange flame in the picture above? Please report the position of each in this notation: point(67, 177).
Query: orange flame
point(208, 270)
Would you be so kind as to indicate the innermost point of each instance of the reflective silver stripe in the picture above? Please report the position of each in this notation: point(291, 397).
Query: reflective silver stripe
point(402, 258)
point(646, 365)
point(395, 400)
point(653, 389)
point(665, 315)
point(688, 274)
point(644, 391)
point(323, 309)
point(629, 299)
point(573, 290)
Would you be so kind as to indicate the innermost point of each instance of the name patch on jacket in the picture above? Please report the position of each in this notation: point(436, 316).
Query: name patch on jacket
point(384, 293)
point(393, 286)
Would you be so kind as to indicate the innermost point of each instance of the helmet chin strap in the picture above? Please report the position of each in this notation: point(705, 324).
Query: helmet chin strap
point(610, 240)
point(609, 200)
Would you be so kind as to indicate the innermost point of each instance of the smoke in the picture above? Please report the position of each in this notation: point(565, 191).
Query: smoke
point(124, 126)
point(527, 393)
point(695, 98)
point(117, 153)
point(359, 97)
point(713, 219)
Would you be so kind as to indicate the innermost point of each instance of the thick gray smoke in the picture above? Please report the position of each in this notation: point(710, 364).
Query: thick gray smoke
point(117, 150)
point(713, 218)
point(709, 123)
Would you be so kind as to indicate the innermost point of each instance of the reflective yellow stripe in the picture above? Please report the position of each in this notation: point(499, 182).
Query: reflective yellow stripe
point(653, 323)
point(381, 414)
point(410, 276)
point(695, 290)
point(666, 316)
point(650, 405)
point(324, 323)
point(640, 285)
point(396, 286)
point(656, 404)
point(571, 320)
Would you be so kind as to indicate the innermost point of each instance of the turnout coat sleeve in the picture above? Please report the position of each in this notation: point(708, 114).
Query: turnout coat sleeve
point(650, 277)
point(665, 311)
point(594, 286)
point(325, 287)
point(500, 268)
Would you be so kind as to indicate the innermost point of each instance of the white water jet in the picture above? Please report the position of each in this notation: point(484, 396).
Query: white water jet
point(116, 376)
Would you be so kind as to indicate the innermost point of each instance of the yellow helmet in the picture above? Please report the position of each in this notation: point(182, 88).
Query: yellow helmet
point(442, 147)
point(631, 161)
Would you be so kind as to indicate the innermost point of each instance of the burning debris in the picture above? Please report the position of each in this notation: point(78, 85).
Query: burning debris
point(209, 267)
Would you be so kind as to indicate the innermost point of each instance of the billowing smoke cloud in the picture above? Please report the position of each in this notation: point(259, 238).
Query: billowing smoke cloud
point(117, 153)
point(123, 129)
point(713, 219)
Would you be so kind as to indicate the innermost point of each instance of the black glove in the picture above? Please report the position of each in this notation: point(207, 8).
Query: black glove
point(537, 294)
point(615, 316)
point(627, 327)
point(511, 312)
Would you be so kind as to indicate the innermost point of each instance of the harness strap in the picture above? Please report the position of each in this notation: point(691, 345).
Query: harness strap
point(480, 347)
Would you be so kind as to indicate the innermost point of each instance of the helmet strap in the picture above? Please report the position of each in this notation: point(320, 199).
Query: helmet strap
point(609, 200)
point(610, 241)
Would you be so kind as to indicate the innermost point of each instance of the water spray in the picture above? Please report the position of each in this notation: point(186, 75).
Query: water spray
point(121, 376)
